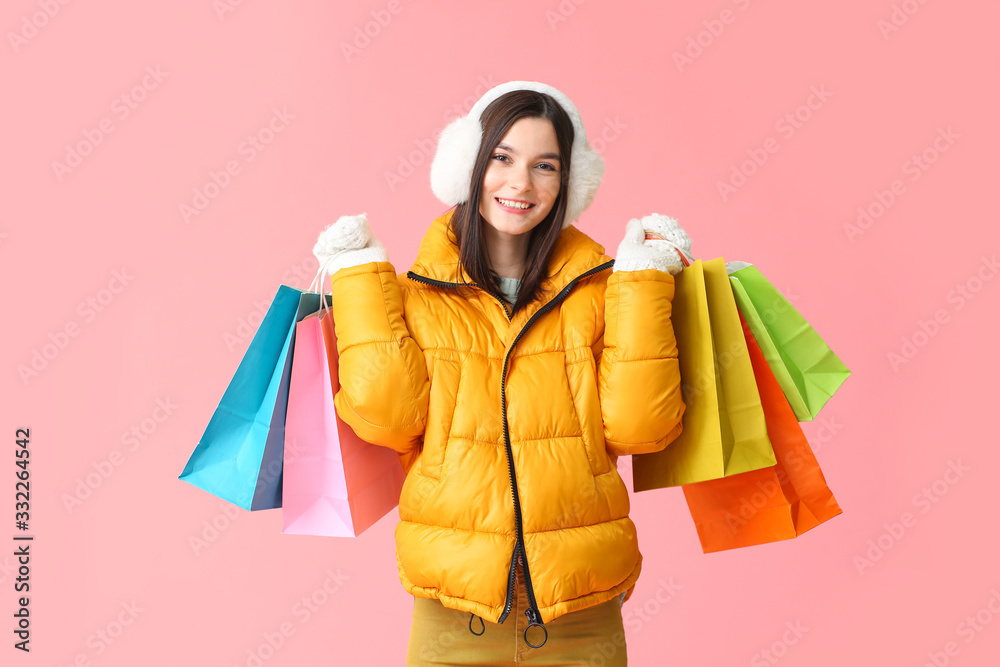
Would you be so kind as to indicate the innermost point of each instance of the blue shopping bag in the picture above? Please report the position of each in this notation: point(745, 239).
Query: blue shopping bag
point(239, 457)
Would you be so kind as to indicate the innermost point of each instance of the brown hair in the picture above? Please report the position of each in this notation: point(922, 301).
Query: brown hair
point(466, 221)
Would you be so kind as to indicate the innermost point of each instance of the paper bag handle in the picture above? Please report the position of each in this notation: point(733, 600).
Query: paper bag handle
point(680, 250)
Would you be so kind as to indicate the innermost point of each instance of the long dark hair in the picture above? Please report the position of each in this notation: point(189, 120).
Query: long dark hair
point(466, 221)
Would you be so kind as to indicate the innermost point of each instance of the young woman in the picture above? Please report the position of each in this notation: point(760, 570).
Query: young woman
point(510, 367)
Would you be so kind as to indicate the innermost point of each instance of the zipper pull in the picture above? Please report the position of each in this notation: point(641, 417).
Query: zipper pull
point(534, 618)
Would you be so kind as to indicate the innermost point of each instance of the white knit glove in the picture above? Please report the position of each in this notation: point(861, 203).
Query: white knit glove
point(637, 253)
point(348, 242)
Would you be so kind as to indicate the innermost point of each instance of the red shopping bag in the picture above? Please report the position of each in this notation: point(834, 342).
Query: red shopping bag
point(775, 503)
point(334, 483)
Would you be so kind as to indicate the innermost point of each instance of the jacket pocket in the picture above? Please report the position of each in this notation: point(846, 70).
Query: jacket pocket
point(581, 373)
point(444, 380)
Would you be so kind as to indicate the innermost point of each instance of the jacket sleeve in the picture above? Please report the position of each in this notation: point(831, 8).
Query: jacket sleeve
point(384, 388)
point(638, 374)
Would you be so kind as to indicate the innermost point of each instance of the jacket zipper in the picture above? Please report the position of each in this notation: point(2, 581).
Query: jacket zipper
point(532, 613)
point(441, 283)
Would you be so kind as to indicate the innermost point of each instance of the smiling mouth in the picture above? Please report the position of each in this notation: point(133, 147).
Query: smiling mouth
point(510, 203)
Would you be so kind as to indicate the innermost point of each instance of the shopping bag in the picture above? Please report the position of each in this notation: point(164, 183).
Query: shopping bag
point(776, 503)
point(335, 483)
point(239, 456)
point(724, 431)
point(806, 368)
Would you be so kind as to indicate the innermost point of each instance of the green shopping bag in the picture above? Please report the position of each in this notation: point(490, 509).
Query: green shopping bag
point(725, 431)
point(806, 368)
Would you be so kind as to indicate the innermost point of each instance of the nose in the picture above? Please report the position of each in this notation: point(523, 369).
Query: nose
point(520, 179)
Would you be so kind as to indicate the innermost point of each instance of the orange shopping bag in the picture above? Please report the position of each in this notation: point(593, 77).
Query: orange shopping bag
point(779, 502)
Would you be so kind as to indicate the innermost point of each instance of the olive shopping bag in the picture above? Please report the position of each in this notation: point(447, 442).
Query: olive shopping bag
point(770, 504)
point(335, 483)
point(239, 456)
point(724, 431)
point(806, 368)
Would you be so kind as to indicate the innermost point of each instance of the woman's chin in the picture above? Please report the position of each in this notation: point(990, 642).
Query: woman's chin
point(514, 228)
point(512, 223)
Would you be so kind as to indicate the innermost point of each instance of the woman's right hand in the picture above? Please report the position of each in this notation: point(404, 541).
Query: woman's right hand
point(348, 242)
point(653, 242)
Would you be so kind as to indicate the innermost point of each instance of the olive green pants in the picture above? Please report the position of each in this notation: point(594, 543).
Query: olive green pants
point(441, 636)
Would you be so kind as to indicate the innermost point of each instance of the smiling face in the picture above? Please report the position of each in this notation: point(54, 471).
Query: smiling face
point(522, 178)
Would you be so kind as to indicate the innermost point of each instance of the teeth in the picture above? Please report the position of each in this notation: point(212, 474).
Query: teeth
point(514, 204)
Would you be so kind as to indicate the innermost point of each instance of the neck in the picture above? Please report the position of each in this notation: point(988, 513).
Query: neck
point(507, 252)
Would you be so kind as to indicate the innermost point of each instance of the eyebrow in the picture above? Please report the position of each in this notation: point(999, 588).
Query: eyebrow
point(543, 156)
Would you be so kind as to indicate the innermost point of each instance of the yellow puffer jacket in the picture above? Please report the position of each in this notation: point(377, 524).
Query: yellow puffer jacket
point(510, 429)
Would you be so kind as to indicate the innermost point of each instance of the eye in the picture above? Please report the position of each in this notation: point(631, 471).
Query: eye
point(549, 166)
point(501, 155)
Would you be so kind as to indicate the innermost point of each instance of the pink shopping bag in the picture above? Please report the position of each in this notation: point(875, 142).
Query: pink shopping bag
point(334, 483)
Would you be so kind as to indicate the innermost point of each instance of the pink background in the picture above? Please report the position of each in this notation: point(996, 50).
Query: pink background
point(174, 331)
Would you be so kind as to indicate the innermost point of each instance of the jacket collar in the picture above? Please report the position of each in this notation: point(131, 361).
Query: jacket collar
point(574, 253)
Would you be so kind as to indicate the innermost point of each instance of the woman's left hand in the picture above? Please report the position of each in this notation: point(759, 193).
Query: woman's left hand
point(652, 243)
